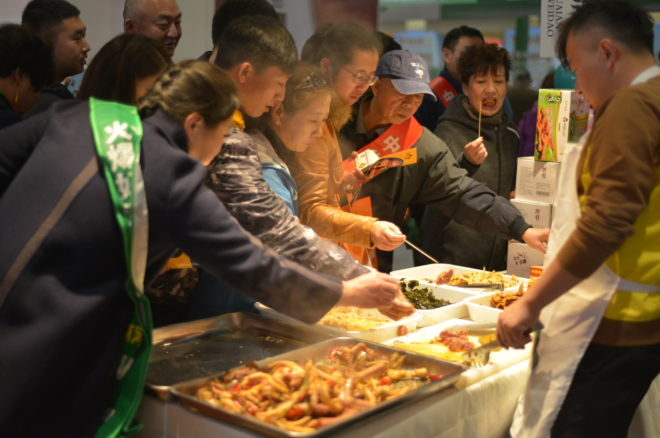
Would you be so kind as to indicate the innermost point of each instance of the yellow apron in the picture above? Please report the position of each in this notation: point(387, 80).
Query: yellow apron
point(570, 321)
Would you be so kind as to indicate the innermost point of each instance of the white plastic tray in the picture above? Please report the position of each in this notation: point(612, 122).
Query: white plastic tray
point(499, 360)
point(480, 309)
point(432, 271)
point(441, 314)
point(378, 334)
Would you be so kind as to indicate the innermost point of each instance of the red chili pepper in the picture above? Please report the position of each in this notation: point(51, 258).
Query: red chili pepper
point(236, 387)
point(384, 381)
point(295, 413)
point(333, 354)
point(253, 409)
point(434, 377)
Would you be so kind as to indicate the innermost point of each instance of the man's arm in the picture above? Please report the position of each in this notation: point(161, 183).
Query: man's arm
point(447, 188)
point(235, 176)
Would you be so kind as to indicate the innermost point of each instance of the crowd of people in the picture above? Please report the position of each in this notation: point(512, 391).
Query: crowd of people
point(163, 193)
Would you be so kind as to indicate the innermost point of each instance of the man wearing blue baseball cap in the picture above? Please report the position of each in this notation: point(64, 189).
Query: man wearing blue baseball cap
point(384, 123)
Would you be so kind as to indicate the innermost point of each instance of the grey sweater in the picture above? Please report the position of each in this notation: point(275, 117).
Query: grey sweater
point(445, 239)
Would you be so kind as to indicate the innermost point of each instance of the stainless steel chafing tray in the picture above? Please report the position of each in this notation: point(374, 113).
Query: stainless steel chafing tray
point(451, 372)
point(206, 347)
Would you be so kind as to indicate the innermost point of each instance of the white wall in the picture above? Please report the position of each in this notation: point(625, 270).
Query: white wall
point(104, 21)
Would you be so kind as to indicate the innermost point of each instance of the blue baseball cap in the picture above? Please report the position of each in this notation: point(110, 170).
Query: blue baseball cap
point(408, 72)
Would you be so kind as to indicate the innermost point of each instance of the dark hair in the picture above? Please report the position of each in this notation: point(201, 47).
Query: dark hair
point(230, 10)
point(45, 16)
point(192, 87)
point(115, 68)
point(387, 42)
point(338, 43)
point(625, 23)
point(523, 76)
point(481, 59)
point(261, 41)
point(548, 80)
point(451, 39)
point(23, 49)
point(299, 98)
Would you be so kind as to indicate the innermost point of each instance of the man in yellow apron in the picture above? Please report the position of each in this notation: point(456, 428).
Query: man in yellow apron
point(599, 295)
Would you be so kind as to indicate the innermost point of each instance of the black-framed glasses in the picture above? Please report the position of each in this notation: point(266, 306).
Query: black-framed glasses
point(312, 81)
point(361, 78)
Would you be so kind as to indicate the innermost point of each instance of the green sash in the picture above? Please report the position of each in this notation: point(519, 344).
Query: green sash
point(117, 133)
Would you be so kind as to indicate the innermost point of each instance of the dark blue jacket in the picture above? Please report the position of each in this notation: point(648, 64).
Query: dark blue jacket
point(63, 323)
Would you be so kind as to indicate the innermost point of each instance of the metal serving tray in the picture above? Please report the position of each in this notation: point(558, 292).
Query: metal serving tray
point(450, 370)
point(187, 351)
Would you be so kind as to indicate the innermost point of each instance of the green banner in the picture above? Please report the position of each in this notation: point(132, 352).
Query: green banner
point(117, 134)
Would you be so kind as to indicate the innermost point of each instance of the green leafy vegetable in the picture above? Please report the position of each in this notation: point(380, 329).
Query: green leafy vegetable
point(421, 298)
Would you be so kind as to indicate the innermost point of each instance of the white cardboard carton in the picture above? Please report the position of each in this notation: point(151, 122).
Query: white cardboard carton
point(536, 214)
point(521, 258)
point(536, 181)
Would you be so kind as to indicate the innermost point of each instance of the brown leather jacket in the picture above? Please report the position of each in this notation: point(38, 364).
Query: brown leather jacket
point(318, 173)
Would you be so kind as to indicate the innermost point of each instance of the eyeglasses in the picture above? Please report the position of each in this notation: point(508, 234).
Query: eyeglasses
point(313, 81)
point(361, 78)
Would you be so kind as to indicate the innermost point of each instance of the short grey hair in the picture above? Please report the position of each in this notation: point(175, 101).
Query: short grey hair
point(132, 8)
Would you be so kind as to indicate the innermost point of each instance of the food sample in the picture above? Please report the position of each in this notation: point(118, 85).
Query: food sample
point(455, 341)
point(421, 298)
point(347, 318)
point(448, 345)
point(500, 301)
point(472, 277)
point(304, 397)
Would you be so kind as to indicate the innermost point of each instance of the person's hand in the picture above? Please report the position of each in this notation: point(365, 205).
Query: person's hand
point(515, 323)
point(535, 237)
point(386, 236)
point(512, 195)
point(475, 151)
point(369, 291)
point(400, 308)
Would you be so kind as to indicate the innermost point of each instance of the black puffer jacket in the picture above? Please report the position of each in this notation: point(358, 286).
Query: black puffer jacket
point(443, 238)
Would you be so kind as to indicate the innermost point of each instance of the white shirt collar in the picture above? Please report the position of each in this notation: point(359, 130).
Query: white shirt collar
point(647, 74)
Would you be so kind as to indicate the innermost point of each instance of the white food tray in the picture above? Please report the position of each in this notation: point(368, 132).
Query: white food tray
point(378, 334)
point(480, 309)
point(432, 271)
point(441, 314)
point(499, 360)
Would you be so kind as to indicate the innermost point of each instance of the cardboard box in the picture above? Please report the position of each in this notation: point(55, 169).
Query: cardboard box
point(521, 258)
point(562, 118)
point(535, 272)
point(536, 214)
point(536, 181)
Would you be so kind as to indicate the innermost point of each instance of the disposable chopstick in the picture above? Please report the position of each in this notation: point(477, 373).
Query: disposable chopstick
point(479, 134)
point(422, 252)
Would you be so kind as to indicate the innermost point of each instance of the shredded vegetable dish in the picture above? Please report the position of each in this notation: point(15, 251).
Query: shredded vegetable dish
point(477, 277)
point(304, 397)
point(352, 319)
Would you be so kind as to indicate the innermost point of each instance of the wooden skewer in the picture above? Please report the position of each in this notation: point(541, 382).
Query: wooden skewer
point(479, 133)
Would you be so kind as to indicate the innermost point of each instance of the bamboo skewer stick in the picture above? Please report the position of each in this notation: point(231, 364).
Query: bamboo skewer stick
point(479, 133)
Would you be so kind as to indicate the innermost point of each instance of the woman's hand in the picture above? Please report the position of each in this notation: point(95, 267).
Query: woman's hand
point(536, 237)
point(386, 236)
point(369, 291)
point(475, 151)
point(400, 308)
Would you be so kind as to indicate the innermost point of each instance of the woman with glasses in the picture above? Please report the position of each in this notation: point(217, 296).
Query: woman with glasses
point(348, 55)
point(294, 125)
